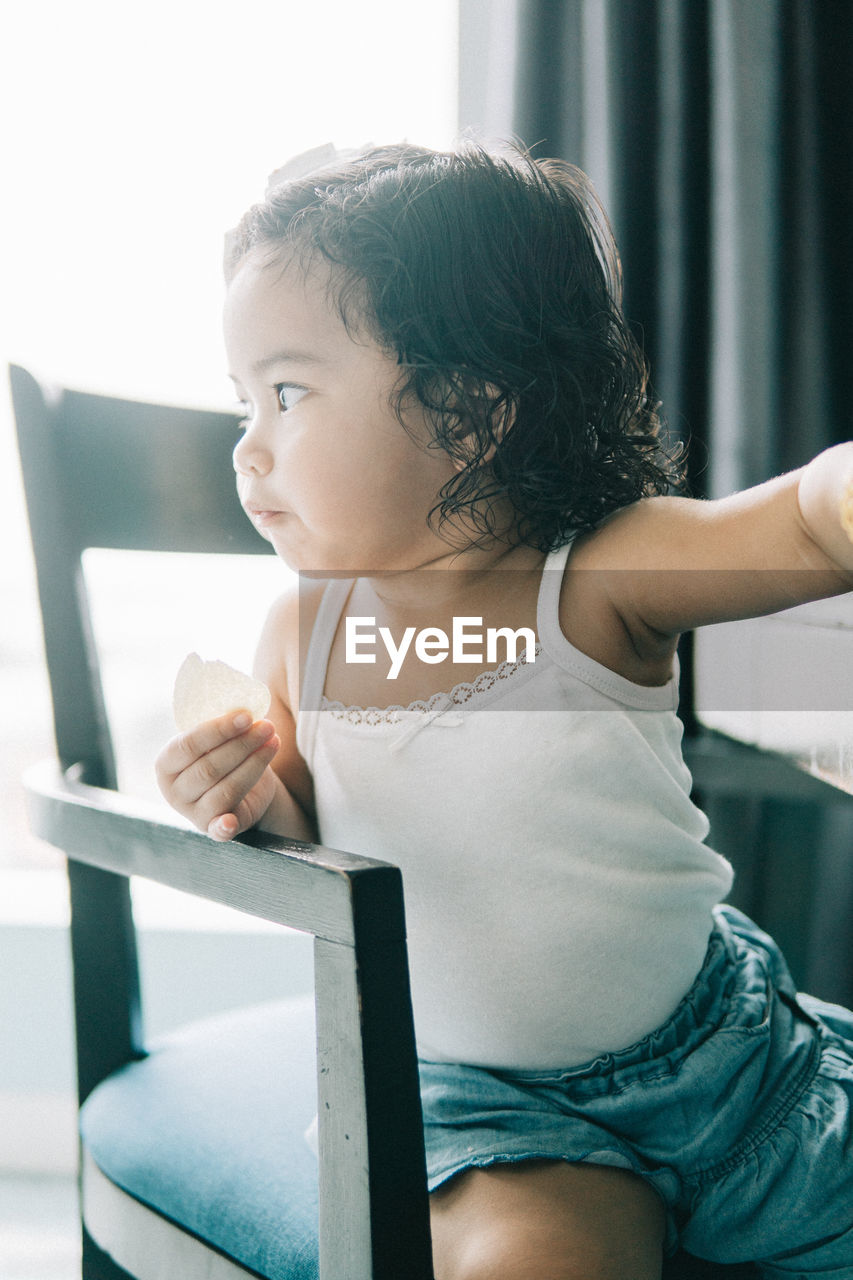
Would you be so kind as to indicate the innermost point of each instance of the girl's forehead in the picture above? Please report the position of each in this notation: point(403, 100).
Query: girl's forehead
point(268, 280)
point(277, 312)
point(274, 294)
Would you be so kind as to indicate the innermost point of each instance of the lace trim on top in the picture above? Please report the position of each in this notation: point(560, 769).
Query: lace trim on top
point(459, 695)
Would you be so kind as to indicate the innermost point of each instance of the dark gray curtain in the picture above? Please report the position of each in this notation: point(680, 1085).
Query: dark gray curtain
point(720, 136)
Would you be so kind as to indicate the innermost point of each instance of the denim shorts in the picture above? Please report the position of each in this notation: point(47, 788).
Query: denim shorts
point(738, 1111)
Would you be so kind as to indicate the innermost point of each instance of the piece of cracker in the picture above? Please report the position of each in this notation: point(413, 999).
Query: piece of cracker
point(205, 690)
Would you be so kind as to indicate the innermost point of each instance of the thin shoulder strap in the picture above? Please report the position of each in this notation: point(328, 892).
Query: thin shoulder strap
point(334, 598)
point(548, 604)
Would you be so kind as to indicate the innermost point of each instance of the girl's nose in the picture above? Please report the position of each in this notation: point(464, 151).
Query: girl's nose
point(251, 457)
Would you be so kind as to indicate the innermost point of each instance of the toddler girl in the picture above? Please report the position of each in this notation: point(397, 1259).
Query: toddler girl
point(449, 433)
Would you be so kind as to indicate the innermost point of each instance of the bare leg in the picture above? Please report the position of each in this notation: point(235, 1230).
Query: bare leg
point(547, 1220)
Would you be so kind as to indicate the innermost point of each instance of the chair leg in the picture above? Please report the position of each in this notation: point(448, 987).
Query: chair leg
point(98, 1265)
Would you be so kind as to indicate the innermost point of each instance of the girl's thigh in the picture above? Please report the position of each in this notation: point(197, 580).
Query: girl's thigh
point(547, 1220)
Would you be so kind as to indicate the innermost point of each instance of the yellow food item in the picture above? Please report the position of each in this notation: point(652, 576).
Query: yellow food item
point(205, 690)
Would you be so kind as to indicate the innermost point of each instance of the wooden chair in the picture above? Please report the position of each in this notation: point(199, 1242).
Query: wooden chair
point(193, 1155)
point(101, 472)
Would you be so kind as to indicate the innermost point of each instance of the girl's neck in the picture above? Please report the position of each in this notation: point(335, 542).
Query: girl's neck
point(502, 593)
point(451, 583)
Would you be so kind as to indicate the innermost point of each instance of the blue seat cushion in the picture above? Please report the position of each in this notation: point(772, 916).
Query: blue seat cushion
point(209, 1130)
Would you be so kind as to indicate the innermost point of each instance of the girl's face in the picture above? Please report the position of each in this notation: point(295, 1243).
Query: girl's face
point(324, 468)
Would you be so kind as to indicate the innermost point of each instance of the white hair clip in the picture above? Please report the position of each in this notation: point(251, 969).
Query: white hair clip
point(327, 156)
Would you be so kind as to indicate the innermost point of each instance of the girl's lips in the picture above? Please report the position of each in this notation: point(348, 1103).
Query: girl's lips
point(262, 516)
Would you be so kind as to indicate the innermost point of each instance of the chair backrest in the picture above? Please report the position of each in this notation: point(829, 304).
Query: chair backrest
point(101, 472)
point(109, 473)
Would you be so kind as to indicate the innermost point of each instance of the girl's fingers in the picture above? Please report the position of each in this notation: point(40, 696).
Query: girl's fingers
point(211, 770)
point(225, 827)
point(215, 783)
point(192, 762)
point(185, 749)
point(245, 806)
point(218, 782)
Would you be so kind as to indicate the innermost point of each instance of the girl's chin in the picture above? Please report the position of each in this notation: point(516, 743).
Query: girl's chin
point(312, 566)
point(308, 562)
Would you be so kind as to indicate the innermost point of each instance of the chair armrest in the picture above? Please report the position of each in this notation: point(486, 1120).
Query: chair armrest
point(304, 886)
point(374, 1215)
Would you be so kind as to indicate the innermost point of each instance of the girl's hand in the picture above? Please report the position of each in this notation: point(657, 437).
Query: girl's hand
point(218, 775)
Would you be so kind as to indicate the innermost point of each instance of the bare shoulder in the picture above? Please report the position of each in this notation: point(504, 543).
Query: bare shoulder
point(277, 663)
point(279, 649)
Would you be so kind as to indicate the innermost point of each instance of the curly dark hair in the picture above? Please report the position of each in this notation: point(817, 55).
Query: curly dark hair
point(494, 279)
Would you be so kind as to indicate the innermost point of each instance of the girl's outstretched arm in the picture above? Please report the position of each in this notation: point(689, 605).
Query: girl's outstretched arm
point(667, 565)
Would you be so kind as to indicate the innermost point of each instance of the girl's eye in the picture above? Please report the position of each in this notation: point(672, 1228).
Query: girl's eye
point(289, 395)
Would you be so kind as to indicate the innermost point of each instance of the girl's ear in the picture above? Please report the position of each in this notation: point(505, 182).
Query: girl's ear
point(486, 413)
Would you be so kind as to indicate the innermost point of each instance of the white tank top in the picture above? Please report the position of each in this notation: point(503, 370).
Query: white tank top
point(557, 886)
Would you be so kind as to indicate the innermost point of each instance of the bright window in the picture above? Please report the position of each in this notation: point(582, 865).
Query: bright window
point(134, 138)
